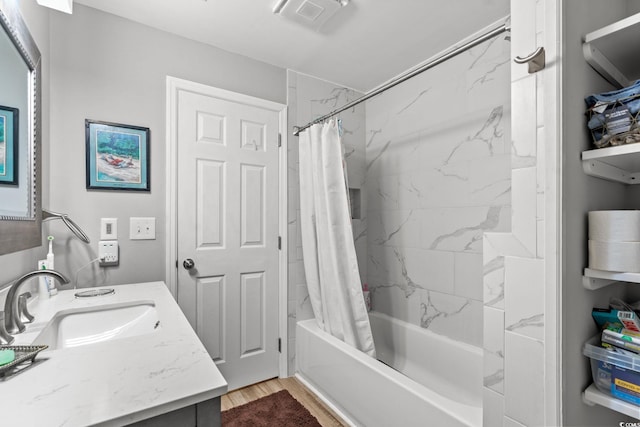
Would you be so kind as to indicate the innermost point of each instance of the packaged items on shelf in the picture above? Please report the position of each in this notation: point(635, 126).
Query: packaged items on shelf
point(615, 352)
point(620, 340)
point(606, 317)
point(630, 320)
point(621, 225)
point(614, 240)
point(619, 325)
point(622, 257)
point(612, 117)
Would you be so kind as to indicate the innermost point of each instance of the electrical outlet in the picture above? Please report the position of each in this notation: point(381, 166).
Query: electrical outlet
point(108, 228)
point(108, 252)
point(142, 228)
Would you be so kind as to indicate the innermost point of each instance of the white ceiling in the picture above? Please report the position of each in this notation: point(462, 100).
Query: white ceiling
point(365, 44)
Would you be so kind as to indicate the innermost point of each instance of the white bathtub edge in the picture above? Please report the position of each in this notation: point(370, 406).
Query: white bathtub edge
point(463, 414)
point(345, 419)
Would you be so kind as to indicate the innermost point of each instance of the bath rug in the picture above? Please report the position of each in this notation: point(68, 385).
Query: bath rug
point(278, 409)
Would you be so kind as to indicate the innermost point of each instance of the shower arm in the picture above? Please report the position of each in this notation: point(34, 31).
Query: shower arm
point(75, 228)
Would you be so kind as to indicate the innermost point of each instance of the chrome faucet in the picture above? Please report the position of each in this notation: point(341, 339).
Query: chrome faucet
point(12, 322)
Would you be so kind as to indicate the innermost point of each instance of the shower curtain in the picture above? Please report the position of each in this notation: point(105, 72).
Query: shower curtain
point(329, 252)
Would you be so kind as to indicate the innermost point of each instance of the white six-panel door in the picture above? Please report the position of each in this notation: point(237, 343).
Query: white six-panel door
point(227, 225)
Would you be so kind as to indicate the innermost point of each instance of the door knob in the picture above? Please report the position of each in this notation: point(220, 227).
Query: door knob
point(188, 264)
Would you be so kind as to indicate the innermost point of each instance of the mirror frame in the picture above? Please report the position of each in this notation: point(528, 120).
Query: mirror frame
point(20, 234)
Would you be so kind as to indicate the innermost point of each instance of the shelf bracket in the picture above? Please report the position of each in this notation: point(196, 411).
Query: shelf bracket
point(605, 171)
point(593, 283)
point(603, 66)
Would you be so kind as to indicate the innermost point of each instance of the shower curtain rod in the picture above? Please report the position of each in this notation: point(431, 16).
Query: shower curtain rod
point(458, 50)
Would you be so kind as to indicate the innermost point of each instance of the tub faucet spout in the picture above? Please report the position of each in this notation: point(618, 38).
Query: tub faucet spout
point(12, 322)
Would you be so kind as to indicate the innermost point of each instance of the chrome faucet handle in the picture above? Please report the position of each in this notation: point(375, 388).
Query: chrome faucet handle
point(25, 316)
point(17, 319)
point(12, 321)
point(5, 338)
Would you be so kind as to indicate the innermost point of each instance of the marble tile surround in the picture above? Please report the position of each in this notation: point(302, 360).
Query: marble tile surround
point(434, 168)
point(438, 176)
point(519, 276)
point(307, 99)
point(401, 194)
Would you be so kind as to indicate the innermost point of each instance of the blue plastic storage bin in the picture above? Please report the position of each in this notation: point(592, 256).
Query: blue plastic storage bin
point(614, 373)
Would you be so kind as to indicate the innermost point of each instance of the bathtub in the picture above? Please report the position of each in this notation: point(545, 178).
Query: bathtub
point(442, 385)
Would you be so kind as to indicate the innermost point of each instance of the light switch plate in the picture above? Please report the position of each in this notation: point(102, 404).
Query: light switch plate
point(108, 252)
point(142, 228)
point(108, 228)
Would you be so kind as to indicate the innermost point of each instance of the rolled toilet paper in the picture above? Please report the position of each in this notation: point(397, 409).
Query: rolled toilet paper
point(614, 256)
point(614, 226)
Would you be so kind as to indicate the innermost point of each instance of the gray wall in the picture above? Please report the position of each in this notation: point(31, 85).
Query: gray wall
point(37, 20)
point(581, 194)
point(633, 191)
point(111, 69)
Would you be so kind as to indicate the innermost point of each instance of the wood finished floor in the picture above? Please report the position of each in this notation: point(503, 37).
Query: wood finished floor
point(317, 408)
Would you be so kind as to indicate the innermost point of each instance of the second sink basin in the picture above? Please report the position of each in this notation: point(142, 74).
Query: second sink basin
point(91, 325)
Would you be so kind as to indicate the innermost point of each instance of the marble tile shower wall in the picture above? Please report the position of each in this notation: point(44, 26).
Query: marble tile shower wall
point(520, 276)
point(438, 175)
point(307, 99)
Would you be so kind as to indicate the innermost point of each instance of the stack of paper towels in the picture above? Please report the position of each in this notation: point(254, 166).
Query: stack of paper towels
point(614, 241)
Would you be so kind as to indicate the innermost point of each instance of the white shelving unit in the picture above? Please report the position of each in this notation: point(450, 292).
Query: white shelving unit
point(610, 51)
point(593, 396)
point(620, 163)
point(596, 279)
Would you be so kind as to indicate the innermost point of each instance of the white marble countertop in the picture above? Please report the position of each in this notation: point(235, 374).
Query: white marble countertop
point(114, 382)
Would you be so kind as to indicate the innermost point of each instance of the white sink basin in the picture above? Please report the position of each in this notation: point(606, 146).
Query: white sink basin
point(91, 325)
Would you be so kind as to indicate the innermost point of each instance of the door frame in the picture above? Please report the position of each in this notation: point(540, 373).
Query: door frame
point(173, 86)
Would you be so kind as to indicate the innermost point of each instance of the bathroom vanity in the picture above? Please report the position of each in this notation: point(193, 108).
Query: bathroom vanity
point(130, 357)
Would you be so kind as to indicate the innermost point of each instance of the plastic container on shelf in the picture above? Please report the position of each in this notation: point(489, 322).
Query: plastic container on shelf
point(614, 373)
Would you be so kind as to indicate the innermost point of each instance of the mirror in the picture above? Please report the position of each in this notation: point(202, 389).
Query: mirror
point(14, 99)
point(20, 133)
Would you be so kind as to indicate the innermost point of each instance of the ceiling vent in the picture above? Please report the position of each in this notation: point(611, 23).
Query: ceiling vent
point(310, 13)
point(310, 10)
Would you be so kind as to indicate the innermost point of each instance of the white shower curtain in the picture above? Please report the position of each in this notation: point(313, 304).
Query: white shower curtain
point(330, 262)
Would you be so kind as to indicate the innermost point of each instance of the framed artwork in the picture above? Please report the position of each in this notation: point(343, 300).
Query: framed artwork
point(9, 132)
point(117, 156)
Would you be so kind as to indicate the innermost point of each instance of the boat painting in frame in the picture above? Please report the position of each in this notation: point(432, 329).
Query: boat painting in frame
point(9, 131)
point(117, 156)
